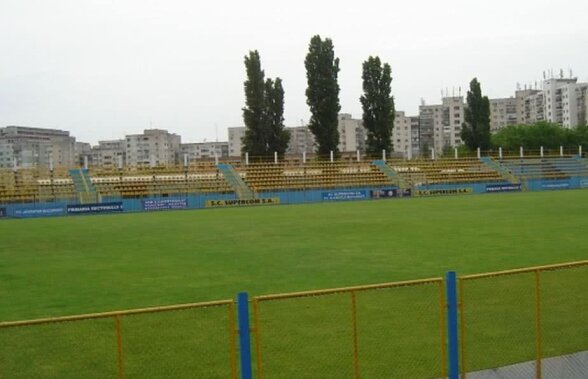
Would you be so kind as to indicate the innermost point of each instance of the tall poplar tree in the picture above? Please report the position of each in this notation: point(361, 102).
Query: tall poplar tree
point(475, 131)
point(263, 111)
point(378, 105)
point(322, 93)
point(278, 137)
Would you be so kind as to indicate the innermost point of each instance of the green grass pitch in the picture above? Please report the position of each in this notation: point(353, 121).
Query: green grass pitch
point(74, 265)
point(62, 266)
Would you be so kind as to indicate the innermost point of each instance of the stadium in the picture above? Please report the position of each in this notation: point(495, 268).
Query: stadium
point(377, 268)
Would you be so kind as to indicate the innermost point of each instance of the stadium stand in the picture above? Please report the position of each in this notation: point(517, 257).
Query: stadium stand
point(160, 181)
point(19, 186)
point(445, 171)
point(248, 180)
point(545, 168)
point(294, 175)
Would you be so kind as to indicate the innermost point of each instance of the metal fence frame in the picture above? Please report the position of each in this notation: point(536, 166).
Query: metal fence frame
point(352, 291)
point(450, 343)
point(538, 335)
point(118, 315)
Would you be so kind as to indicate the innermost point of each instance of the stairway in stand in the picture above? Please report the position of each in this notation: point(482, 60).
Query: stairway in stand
point(391, 174)
point(234, 179)
point(84, 187)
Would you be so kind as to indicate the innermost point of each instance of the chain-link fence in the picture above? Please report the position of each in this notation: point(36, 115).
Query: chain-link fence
point(511, 317)
point(393, 330)
point(520, 321)
point(184, 341)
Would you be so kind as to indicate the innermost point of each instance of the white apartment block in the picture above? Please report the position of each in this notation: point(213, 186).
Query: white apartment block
point(203, 150)
point(352, 134)
point(405, 135)
point(82, 149)
point(564, 101)
point(110, 154)
point(453, 121)
point(523, 104)
point(301, 141)
point(432, 121)
point(584, 116)
point(440, 124)
point(534, 108)
point(6, 154)
point(236, 135)
point(503, 113)
point(427, 127)
point(36, 147)
point(152, 148)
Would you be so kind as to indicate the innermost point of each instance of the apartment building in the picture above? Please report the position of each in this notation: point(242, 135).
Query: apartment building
point(301, 141)
point(153, 147)
point(203, 150)
point(405, 135)
point(352, 134)
point(110, 154)
point(564, 101)
point(83, 150)
point(583, 116)
point(503, 113)
point(6, 154)
point(236, 135)
point(440, 124)
point(428, 114)
point(523, 102)
point(29, 147)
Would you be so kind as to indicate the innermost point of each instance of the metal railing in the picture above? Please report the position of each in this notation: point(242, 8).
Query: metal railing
point(509, 317)
point(149, 342)
point(409, 329)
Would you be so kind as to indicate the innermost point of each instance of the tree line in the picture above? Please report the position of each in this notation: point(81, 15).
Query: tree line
point(532, 137)
point(263, 113)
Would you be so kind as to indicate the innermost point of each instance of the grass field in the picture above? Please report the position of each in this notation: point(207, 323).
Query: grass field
point(71, 265)
point(62, 266)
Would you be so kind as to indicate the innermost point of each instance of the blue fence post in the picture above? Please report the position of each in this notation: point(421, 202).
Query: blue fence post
point(244, 335)
point(453, 342)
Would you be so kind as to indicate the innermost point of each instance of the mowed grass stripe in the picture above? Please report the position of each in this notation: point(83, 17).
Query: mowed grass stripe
point(63, 266)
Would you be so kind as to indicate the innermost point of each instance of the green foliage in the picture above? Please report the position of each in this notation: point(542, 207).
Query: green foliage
point(378, 105)
point(532, 137)
point(322, 93)
point(475, 131)
point(263, 113)
point(278, 136)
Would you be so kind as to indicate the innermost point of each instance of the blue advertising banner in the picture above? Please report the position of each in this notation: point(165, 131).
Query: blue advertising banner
point(503, 187)
point(159, 204)
point(2, 212)
point(555, 186)
point(95, 208)
point(344, 195)
point(584, 183)
point(38, 212)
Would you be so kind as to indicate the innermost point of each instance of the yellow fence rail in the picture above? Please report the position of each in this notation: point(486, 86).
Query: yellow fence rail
point(179, 341)
point(385, 330)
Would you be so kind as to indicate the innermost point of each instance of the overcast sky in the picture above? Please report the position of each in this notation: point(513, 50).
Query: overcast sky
point(102, 69)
